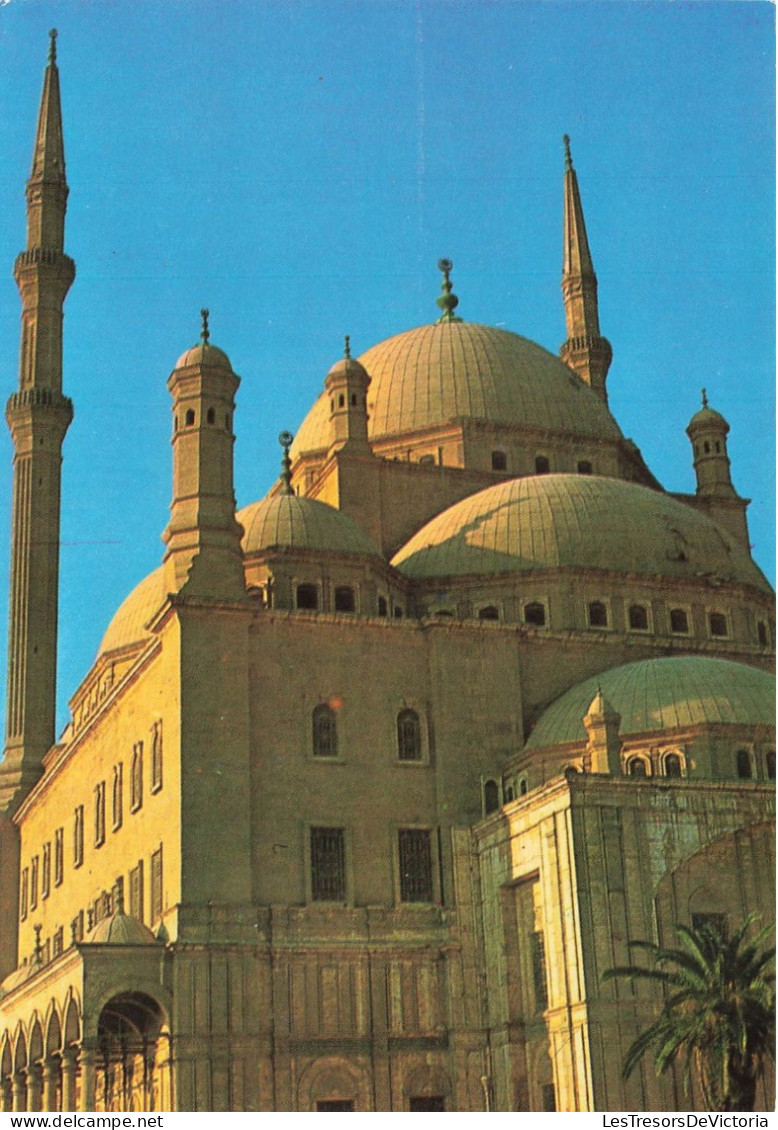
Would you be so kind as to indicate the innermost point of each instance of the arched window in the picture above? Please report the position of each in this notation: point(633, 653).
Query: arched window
point(344, 599)
point(638, 618)
point(325, 731)
point(488, 613)
point(190, 417)
point(770, 764)
point(584, 467)
point(523, 786)
point(535, 613)
point(211, 417)
point(499, 461)
point(637, 767)
point(743, 762)
point(427, 460)
point(491, 797)
point(308, 597)
point(542, 465)
point(598, 614)
point(116, 797)
point(679, 621)
point(717, 622)
point(341, 401)
point(136, 777)
point(398, 612)
point(408, 736)
point(761, 633)
point(673, 765)
point(383, 607)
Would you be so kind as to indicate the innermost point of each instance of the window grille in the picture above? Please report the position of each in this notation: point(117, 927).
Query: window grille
point(328, 865)
point(538, 954)
point(415, 845)
point(325, 732)
point(408, 736)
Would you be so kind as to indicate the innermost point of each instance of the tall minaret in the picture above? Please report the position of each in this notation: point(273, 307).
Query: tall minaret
point(38, 416)
point(585, 351)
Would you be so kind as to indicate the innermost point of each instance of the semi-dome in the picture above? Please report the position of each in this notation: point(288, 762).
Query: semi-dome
point(576, 521)
point(128, 625)
point(451, 370)
point(669, 693)
point(284, 521)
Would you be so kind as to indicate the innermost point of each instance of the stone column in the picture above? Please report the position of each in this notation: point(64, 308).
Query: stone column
point(19, 1091)
point(50, 1081)
point(34, 1087)
point(88, 1063)
point(69, 1079)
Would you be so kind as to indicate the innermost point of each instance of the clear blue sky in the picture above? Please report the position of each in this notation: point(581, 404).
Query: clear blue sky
point(299, 167)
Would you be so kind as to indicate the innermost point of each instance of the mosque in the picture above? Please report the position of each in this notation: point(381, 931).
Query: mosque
point(372, 780)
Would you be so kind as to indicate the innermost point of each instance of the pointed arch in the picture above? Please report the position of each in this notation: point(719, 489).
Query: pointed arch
point(72, 1024)
point(20, 1048)
point(53, 1031)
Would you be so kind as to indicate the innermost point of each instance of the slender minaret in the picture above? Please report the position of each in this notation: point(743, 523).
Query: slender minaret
point(346, 384)
point(585, 351)
point(38, 416)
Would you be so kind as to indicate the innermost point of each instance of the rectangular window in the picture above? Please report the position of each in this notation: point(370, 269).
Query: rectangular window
point(24, 894)
point(415, 846)
point(136, 891)
point(59, 856)
point(328, 865)
point(78, 836)
point(46, 872)
point(34, 865)
point(538, 951)
point(117, 798)
point(156, 884)
point(136, 777)
point(100, 814)
point(156, 757)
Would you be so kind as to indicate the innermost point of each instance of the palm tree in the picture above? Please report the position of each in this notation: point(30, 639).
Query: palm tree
point(718, 1013)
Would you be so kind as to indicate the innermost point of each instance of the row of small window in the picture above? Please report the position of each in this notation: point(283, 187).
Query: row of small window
point(415, 856)
point(38, 876)
point(344, 599)
point(638, 619)
point(105, 905)
point(325, 733)
point(542, 464)
point(190, 419)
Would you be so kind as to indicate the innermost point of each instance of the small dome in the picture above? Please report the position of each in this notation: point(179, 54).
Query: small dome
point(128, 625)
point(668, 693)
point(347, 365)
point(19, 976)
point(708, 417)
point(575, 521)
point(120, 929)
point(451, 370)
point(204, 354)
point(284, 521)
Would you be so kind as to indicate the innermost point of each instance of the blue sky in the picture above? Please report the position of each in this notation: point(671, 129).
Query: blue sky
point(300, 167)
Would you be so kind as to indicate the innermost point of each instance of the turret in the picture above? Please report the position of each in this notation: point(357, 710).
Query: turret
point(346, 385)
point(203, 555)
point(708, 431)
point(585, 351)
point(603, 750)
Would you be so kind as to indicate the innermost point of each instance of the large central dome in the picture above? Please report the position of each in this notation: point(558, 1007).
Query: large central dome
point(437, 373)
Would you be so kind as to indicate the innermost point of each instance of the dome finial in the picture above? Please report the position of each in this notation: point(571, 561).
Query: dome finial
point(568, 157)
point(347, 347)
point(53, 45)
point(705, 398)
point(447, 302)
point(285, 439)
point(205, 333)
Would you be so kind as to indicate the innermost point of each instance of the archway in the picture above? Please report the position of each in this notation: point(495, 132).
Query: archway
point(131, 1047)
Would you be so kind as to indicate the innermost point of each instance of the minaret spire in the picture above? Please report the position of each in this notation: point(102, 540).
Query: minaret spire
point(585, 351)
point(38, 416)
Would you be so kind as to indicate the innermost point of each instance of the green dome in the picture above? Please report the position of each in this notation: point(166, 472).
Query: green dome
point(663, 694)
point(284, 521)
point(575, 521)
point(451, 370)
point(128, 625)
